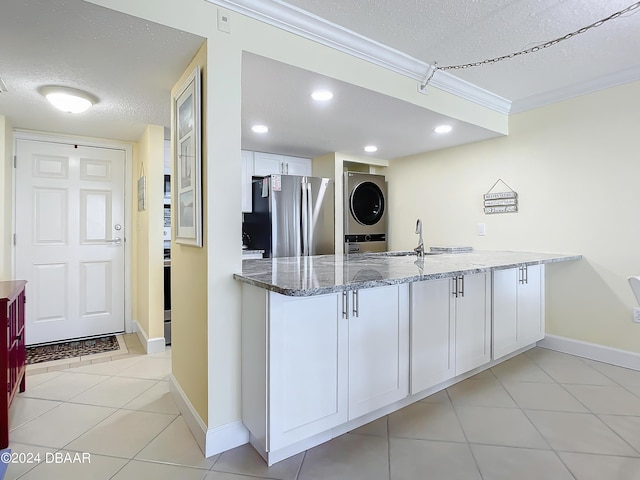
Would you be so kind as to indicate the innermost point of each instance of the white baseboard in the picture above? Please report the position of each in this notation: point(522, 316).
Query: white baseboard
point(592, 351)
point(151, 345)
point(210, 440)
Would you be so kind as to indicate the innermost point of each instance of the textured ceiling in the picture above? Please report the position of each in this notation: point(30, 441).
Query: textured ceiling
point(128, 63)
point(463, 31)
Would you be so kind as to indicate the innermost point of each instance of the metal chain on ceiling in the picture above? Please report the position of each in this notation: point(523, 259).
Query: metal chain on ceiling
point(540, 46)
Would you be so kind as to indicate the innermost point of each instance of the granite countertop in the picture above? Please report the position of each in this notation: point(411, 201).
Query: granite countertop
point(316, 275)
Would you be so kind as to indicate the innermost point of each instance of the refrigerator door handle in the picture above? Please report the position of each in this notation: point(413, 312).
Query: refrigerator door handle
point(309, 219)
point(305, 219)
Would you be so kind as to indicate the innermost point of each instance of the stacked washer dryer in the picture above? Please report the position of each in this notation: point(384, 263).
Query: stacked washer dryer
point(365, 212)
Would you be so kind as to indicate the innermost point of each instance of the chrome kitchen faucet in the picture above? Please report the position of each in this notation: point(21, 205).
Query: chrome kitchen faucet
point(420, 248)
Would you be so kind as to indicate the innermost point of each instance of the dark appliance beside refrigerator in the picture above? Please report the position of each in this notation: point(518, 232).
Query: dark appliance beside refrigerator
point(292, 216)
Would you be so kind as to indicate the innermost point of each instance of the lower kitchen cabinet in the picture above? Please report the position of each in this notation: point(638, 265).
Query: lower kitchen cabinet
point(518, 308)
point(312, 363)
point(450, 328)
point(378, 347)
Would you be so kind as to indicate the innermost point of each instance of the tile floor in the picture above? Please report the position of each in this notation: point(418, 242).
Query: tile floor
point(541, 415)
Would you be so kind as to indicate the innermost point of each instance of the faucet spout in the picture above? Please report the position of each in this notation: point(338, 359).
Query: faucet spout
point(420, 248)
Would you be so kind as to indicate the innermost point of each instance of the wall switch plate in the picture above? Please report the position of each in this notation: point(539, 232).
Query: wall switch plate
point(224, 21)
point(636, 315)
point(482, 231)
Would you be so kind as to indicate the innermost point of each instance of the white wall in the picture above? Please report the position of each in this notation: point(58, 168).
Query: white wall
point(6, 199)
point(576, 168)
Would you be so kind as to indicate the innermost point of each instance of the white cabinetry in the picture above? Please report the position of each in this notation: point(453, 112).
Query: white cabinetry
point(247, 173)
point(312, 363)
point(450, 328)
point(269, 164)
point(378, 347)
point(518, 308)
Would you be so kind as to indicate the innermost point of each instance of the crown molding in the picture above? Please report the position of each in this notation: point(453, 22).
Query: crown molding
point(305, 24)
point(565, 93)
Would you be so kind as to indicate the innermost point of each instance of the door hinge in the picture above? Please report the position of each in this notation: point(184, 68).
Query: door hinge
point(14, 239)
point(15, 161)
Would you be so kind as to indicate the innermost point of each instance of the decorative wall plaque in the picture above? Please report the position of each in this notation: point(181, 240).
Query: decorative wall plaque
point(500, 202)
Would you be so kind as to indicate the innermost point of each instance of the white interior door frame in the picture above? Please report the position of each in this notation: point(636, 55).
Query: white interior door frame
point(100, 143)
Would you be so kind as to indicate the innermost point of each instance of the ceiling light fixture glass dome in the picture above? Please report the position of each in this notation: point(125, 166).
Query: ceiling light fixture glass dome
point(67, 99)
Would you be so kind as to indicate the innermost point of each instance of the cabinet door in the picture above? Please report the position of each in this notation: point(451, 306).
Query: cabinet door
point(297, 166)
point(473, 318)
point(247, 173)
point(531, 306)
point(432, 334)
point(266, 164)
point(505, 311)
point(378, 348)
point(307, 367)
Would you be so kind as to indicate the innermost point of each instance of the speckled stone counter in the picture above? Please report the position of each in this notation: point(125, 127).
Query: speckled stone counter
point(306, 276)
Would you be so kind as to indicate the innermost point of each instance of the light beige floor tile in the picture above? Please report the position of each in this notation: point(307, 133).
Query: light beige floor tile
point(150, 368)
point(165, 354)
point(505, 463)
point(123, 434)
point(420, 459)
point(483, 392)
point(114, 392)
point(578, 432)
point(499, 426)
point(63, 464)
point(353, 457)
point(244, 460)
point(439, 397)
point(137, 470)
point(565, 368)
point(377, 427)
point(230, 476)
point(32, 456)
point(176, 445)
point(64, 386)
point(627, 427)
point(60, 425)
point(24, 409)
point(427, 421)
point(110, 368)
point(543, 396)
point(600, 467)
point(606, 399)
point(621, 375)
point(157, 399)
point(40, 378)
point(521, 369)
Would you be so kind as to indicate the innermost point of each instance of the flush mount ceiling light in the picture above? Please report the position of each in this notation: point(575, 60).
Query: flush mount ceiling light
point(443, 129)
point(260, 129)
point(370, 149)
point(322, 95)
point(67, 99)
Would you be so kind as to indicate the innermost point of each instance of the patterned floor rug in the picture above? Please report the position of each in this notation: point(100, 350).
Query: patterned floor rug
point(71, 349)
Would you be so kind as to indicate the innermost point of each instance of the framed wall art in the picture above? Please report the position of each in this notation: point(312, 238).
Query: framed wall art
point(187, 197)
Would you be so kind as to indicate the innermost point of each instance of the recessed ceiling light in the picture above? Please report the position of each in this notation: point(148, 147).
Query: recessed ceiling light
point(370, 148)
point(322, 95)
point(443, 129)
point(260, 129)
point(69, 100)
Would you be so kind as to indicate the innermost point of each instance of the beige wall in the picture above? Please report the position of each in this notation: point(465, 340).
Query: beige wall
point(575, 167)
point(147, 237)
point(6, 199)
point(189, 284)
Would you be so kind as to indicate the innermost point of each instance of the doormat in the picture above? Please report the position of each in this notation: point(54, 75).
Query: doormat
point(71, 349)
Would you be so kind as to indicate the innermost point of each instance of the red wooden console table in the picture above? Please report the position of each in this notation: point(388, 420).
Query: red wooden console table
point(12, 350)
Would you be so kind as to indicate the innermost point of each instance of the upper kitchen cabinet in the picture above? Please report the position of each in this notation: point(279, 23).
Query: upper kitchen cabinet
point(269, 164)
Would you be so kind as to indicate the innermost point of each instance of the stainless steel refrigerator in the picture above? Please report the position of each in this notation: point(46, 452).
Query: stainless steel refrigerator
point(292, 216)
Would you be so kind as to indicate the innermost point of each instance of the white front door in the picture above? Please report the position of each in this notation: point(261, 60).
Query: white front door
point(70, 239)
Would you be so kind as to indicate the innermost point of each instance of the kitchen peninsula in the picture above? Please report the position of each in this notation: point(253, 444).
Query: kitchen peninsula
point(332, 342)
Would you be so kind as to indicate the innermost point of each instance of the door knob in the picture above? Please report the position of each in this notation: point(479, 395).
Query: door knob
point(116, 240)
